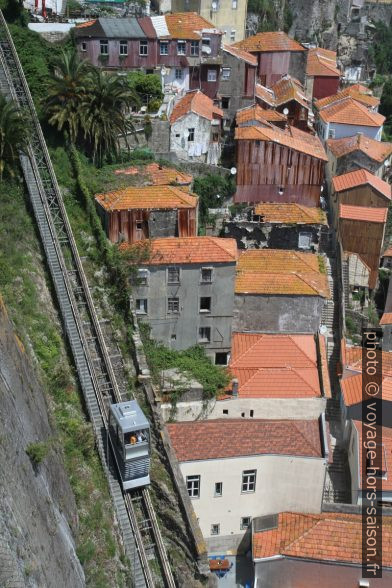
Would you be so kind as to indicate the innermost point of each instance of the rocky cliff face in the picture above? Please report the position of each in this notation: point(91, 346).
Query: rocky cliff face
point(37, 507)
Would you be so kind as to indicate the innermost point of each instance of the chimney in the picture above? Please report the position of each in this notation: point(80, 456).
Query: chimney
point(234, 387)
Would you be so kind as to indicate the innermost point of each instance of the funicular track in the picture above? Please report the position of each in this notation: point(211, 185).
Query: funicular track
point(140, 532)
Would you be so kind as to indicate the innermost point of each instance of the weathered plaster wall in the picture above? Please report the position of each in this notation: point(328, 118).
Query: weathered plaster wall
point(253, 235)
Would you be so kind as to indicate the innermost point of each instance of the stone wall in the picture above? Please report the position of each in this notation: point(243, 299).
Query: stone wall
point(255, 235)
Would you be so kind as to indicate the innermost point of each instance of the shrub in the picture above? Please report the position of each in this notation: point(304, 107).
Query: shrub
point(37, 452)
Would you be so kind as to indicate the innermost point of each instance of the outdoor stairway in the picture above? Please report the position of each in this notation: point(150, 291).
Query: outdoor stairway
point(345, 284)
point(337, 484)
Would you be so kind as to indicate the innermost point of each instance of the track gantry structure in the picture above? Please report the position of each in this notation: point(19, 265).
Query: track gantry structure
point(140, 532)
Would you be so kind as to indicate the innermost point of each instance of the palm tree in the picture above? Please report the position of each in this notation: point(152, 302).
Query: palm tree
point(68, 89)
point(106, 114)
point(14, 136)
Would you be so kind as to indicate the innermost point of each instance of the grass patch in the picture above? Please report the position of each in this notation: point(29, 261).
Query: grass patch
point(37, 452)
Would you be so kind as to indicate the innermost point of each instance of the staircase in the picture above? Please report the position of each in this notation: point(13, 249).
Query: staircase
point(346, 288)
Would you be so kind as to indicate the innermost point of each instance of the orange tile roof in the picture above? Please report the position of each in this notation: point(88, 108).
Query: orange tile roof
point(363, 213)
point(352, 359)
point(265, 94)
point(352, 389)
point(269, 42)
point(287, 89)
point(240, 53)
point(384, 457)
point(158, 175)
point(350, 112)
point(148, 197)
point(275, 366)
point(361, 177)
point(256, 113)
point(228, 438)
point(277, 271)
point(82, 25)
point(376, 150)
point(290, 213)
point(320, 537)
point(188, 25)
point(183, 250)
point(386, 319)
point(388, 252)
point(197, 102)
point(322, 62)
point(291, 137)
point(357, 91)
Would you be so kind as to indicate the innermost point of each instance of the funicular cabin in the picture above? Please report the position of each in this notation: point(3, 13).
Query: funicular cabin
point(129, 433)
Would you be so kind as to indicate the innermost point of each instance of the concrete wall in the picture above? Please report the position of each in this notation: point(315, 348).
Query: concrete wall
point(227, 18)
point(262, 408)
point(341, 130)
point(234, 87)
point(280, 485)
point(202, 136)
point(273, 314)
point(292, 573)
point(185, 324)
point(159, 142)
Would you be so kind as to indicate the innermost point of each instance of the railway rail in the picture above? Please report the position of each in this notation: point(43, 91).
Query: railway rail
point(135, 513)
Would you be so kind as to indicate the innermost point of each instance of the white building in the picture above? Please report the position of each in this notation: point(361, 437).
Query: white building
point(346, 118)
point(235, 470)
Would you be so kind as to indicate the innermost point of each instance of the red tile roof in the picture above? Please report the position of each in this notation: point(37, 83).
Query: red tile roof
point(357, 91)
point(352, 359)
point(386, 319)
point(186, 250)
point(148, 197)
point(256, 113)
point(188, 25)
point(376, 150)
point(350, 112)
point(269, 42)
point(322, 62)
point(321, 537)
point(228, 438)
point(352, 389)
point(197, 102)
point(275, 366)
point(287, 89)
point(281, 272)
point(384, 457)
point(361, 177)
point(387, 252)
point(363, 213)
point(290, 213)
point(240, 54)
point(265, 94)
point(158, 175)
point(291, 137)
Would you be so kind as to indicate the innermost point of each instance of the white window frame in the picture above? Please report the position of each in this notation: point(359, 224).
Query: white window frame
point(104, 43)
point(217, 493)
point(143, 277)
point(163, 44)
point(206, 41)
point(224, 73)
point(244, 526)
point(84, 46)
point(141, 308)
point(195, 48)
point(191, 136)
point(182, 44)
point(211, 75)
point(206, 269)
point(123, 43)
point(179, 74)
point(193, 486)
point(331, 133)
point(204, 339)
point(215, 529)
point(234, 4)
point(248, 481)
point(143, 47)
point(173, 302)
point(173, 269)
point(205, 310)
point(232, 35)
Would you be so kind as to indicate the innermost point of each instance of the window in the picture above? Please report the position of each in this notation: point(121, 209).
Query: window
point(232, 35)
point(205, 304)
point(173, 275)
point(218, 489)
point(251, 413)
point(173, 337)
point(225, 411)
point(226, 71)
point(206, 42)
point(215, 137)
point(225, 102)
point(215, 529)
point(143, 47)
point(181, 47)
point(143, 277)
point(304, 240)
point(178, 74)
point(104, 45)
point(211, 75)
point(123, 47)
point(221, 358)
point(194, 48)
point(248, 481)
point(164, 48)
point(84, 46)
point(191, 134)
point(245, 523)
point(206, 275)
point(204, 334)
point(331, 134)
point(173, 305)
point(193, 486)
point(234, 4)
point(141, 305)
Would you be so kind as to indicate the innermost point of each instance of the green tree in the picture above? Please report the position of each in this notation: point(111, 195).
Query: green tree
point(148, 86)
point(14, 135)
point(208, 188)
point(69, 88)
point(105, 113)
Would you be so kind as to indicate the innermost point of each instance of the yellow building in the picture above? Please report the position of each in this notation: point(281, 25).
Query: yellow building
point(227, 15)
